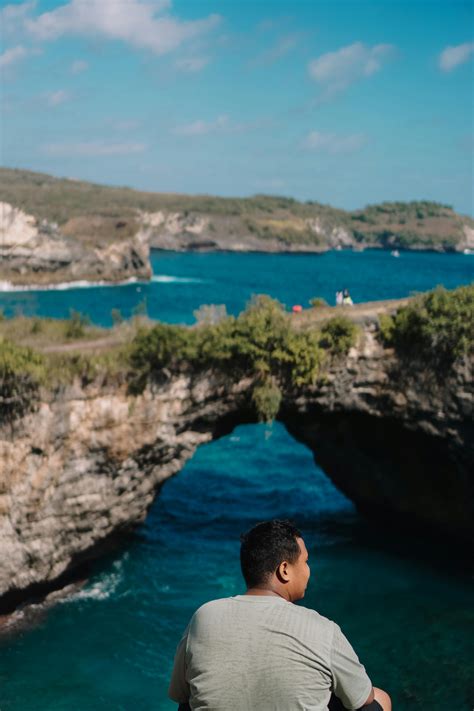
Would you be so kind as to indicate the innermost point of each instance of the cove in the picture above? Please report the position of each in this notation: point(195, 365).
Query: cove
point(111, 644)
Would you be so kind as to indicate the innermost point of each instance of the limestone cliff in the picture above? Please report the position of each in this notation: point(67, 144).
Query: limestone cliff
point(54, 230)
point(37, 252)
point(87, 464)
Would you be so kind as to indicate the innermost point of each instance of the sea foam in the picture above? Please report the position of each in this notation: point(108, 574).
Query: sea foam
point(6, 286)
point(165, 279)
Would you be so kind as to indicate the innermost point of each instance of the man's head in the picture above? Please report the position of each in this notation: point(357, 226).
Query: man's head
point(273, 555)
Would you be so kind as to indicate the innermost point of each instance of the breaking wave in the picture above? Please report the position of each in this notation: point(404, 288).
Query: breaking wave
point(102, 588)
point(63, 286)
point(165, 279)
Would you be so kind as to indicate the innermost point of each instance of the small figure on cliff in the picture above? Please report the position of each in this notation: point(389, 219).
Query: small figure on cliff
point(258, 651)
point(339, 298)
point(346, 298)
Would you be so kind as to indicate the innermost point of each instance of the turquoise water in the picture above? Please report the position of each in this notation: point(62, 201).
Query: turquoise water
point(182, 282)
point(405, 602)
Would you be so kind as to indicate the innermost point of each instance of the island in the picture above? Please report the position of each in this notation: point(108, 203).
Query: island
point(56, 230)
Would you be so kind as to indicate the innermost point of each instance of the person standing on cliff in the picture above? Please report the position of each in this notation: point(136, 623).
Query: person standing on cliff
point(259, 651)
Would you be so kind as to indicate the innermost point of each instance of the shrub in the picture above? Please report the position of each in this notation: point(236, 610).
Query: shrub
point(76, 325)
point(210, 314)
point(436, 328)
point(317, 302)
point(338, 335)
point(267, 399)
point(21, 372)
point(116, 316)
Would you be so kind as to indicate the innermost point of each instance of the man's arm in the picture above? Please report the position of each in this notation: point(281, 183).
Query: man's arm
point(179, 688)
point(378, 699)
point(350, 681)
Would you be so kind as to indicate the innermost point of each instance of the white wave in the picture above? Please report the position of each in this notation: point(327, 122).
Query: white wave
point(6, 286)
point(100, 589)
point(165, 279)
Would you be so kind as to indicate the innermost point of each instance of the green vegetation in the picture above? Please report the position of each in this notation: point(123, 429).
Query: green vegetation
point(436, 328)
point(259, 343)
point(318, 302)
point(76, 325)
point(97, 214)
point(338, 335)
point(264, 343)
point(407, 225)
point(21, 373)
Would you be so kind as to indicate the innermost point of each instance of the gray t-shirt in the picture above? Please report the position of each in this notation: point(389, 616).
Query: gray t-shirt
point(262, 653)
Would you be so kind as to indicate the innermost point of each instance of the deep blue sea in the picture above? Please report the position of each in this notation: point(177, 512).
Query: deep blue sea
point(404, 601)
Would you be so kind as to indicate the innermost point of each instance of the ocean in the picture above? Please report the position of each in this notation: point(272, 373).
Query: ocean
point(404, 601)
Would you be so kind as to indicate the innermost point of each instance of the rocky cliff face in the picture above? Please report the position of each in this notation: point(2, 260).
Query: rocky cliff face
point(87, 464)
point(185, 232)
point(36, 252)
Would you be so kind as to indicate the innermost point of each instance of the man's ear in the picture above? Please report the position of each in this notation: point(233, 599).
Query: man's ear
point(283, 573)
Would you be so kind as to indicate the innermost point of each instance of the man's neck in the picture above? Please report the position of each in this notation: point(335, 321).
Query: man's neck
point(267, 590)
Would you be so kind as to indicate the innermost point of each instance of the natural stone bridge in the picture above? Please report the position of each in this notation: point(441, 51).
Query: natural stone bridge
point(86, 466)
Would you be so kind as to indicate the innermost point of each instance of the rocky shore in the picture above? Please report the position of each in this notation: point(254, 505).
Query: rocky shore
point(34, 252)
point(83, 468)
point(57, 230)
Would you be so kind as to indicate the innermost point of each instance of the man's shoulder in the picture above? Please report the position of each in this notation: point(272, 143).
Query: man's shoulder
point(313, 617)
point(213, 606)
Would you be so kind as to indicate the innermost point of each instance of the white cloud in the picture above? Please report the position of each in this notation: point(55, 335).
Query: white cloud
point(55, 98)
point(200, 128)
point(12, 55)
point(79, 66)
point(282, 47)
point(337, 70)
point(12, 17)
point(334, 143)
point(222, 124)
point(93, 148)
point(134, 22)
point(451, 57)
point(192, 64)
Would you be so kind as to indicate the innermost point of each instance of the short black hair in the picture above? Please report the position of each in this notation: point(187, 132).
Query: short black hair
point(265, 546)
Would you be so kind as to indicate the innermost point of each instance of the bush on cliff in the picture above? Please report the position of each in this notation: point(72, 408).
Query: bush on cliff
point(21, 372)
point(260, 343)
point(436, 328)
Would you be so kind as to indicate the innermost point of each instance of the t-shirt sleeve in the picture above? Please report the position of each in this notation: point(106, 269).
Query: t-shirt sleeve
point(179, 688)
point(350, 681)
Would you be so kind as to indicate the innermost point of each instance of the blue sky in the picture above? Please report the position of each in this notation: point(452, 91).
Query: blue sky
point(346, 103)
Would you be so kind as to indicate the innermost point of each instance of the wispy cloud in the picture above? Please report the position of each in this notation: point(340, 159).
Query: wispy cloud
point(142, 24)
point(281, 48)
point(222, 124)
point(452, 57)
point(13, 55)
point(12, 17)
point(200, 128)
point(334, 143)
point(92, 148)
point(55, 98)
point(79, 66)
point(192, 65)
point(335, 71)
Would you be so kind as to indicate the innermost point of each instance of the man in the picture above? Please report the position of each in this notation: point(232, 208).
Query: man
point(259, 651)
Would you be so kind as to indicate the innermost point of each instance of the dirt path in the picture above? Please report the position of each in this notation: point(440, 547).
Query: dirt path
point(360, 313)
